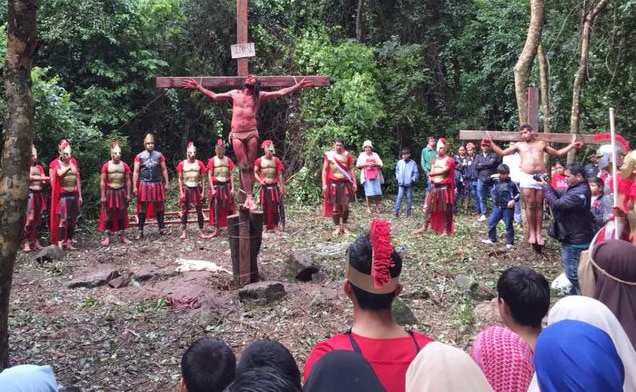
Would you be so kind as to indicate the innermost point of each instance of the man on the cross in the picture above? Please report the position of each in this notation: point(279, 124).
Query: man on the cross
point(531, 151)
point(244, 134)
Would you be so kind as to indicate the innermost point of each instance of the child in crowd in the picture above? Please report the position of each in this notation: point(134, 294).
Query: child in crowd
point(505, 193)
point(601, 204)
point(406, 174)
point(208, 365)
point(558, 178)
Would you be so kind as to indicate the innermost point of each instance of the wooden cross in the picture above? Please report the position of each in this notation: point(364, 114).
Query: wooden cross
point(243, 242)
point(533, 120)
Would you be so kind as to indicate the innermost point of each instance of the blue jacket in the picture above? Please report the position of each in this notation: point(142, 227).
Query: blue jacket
point(406, 172)
point(572, 208)
point(503, 191)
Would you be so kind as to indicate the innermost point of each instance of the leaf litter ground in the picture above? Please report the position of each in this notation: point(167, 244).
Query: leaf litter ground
point(130, 339)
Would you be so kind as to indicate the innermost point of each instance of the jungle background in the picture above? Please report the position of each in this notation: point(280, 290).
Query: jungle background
point(400, 71)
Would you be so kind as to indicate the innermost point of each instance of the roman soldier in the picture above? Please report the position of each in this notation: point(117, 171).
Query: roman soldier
point(36, 204)
point(338, 185)
point(268, 170)
point(439, 202)
point(114, 186)
point(66, 196)
point(150, 183)
point(221, 180)
point(190, 175)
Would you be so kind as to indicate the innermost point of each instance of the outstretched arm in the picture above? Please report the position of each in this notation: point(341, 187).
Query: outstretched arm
point(284, 91)
point(564, 150)
point(498, 150)
point(193, 84)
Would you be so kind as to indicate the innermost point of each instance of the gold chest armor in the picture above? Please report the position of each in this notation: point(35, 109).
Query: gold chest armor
point(191, 174)
point(68, 182)
point(268, 170)
point(221, 169)
point(116, 175)
point(342, 158)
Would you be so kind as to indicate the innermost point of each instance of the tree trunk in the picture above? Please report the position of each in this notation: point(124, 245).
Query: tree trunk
point(544, 86)
point(360, 21)
point(588, 17)
point(524, 64)
point(16, 152)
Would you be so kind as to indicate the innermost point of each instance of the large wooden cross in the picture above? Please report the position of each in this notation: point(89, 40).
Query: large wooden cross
point(245, 228)
point(533, 114)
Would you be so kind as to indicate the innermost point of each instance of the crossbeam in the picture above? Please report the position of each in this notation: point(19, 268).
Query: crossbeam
point(504, 136)
point(232, 82)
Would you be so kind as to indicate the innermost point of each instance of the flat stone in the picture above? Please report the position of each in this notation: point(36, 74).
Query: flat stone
point(50, 253)
point(97, 277)
point(402, 314)
point(330, 250)
point(465, 283)
point(262, 292)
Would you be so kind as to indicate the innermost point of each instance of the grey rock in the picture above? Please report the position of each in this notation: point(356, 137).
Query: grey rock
point(465, 283)
point(487, 313)
point(50, 253)
point(262, 292)
point(301, 266)
point(402, 314)
point(330, 250)
point(98, 277)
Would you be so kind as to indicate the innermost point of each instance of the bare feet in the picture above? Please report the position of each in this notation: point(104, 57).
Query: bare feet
point(344, 230)
point(106, 241)
point(214, 233)
point(38, 245)
point(69, 245)
point(532, 239)
point(368, 210)
point(27, 247)
point(249, 202)
point(183, 235)
point(540, 240)
point(336, 232)
point(60, 245)
point(203, 235)
point(420, 230)
point(124, 240)
point(445, 234)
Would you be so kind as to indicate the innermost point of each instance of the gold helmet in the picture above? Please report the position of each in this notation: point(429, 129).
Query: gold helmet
point(191, 147)
point(150, 138)
point(64, 147)
point(115, 150)
point(629, 163)
point(34, 151)
point(268, 145)
point(219, 147)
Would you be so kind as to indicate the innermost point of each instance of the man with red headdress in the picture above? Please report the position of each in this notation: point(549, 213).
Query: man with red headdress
point(221, 179)
point(191, 178)
point(439, 202)
point(114, 185)
point(372, 282)
point(150, 183)
point(268, 170)
point(66, 197)
point(338, 184)
point(36, 204)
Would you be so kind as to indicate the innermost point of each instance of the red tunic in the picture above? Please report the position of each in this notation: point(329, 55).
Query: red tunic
point(101, 224)
point(327, 207)
point(56, 191)
point(150, 209)
point(270, 200)
point(438, 215)
point(226, 205)
point(389, 358)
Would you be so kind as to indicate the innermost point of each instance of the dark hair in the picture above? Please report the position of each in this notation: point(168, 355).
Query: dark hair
point(208, 365)
point(360, 258)
point(598, 181)
point(431, 138)
point(527, 294)
point(405, 150)
point(262, 379)
point(527, 126)
point(575, 169)
point(265, 352)
point(503, 169)
point(338, 140)
point(256, 90)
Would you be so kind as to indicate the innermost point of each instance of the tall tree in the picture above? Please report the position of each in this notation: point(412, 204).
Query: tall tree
point(524, 64)
point(16, 151)
point(589, 12)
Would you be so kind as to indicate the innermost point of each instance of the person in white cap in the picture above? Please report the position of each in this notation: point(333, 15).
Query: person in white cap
point(371, 178)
